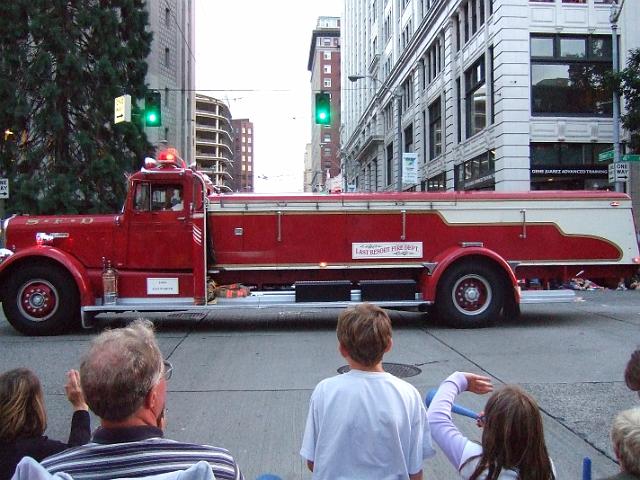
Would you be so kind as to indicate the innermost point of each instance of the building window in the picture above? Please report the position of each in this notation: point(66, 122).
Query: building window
point(326, 138)
point(327, 83)
point(326, 42)
point(166, 96)
point(166, 56)
point(458, 110)
point(566, 154)
point(568, 75)
point(407, 92)
point(476, 97)
point(386, 30)
point(568, 166)
point(326, 152)
point(433, 60)
point(477, 173)
point(167, 16)
point(435, 129)
point(437, 183)
point(327, 69)
point(474, 21)
point(388, 116)
point(492, 105)
point(389, 172)
point(327, 55)
point(387, 66)
point(408, 139)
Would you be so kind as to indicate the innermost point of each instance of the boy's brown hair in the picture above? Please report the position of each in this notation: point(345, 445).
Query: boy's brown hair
point(364, 332)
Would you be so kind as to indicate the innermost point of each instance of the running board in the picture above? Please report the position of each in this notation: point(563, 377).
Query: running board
point(547, 296)
point(281, 300)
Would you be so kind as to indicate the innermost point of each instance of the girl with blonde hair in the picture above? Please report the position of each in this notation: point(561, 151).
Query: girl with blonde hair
point(23, 419)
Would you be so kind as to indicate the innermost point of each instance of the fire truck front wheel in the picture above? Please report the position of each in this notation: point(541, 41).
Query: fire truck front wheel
point(470, 295)
point(41, 300)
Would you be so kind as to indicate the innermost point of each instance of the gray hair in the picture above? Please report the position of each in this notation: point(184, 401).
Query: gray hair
point(119, 370)
point(625, 436)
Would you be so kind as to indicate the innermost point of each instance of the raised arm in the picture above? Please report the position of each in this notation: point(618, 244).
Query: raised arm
point(443, 431)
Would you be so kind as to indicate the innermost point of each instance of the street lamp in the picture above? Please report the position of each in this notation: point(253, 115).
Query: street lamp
point(398, 99)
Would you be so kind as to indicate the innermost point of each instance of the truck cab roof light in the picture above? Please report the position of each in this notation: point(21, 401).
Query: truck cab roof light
point(170, 157)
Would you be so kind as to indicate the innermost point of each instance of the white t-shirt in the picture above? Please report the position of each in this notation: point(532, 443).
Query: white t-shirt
point(366, 425)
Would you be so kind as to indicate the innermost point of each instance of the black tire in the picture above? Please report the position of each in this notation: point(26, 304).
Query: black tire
point(41, 300)
point(470, 295)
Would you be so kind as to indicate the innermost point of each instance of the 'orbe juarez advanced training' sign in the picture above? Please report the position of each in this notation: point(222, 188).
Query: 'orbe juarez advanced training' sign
point(386, 250)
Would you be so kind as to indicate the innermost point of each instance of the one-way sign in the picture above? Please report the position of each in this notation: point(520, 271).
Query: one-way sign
point(618, 172)
point(4, 188)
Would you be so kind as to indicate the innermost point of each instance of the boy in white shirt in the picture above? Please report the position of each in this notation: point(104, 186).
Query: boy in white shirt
point(366, 423)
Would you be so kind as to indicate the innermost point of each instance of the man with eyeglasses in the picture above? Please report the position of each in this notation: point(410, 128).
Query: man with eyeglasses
point(124, 379)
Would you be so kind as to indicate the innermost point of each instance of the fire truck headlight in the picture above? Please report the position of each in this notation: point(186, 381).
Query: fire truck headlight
point(4, 254)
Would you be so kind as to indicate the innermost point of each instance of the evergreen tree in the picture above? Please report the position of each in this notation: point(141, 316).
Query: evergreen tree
point(629, 79)
point(62, 63)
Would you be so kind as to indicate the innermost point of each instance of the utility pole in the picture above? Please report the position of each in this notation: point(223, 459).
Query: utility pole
point(613, 19)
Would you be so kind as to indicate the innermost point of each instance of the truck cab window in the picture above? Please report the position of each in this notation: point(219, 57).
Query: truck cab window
point(141, 200)
point(166, 198)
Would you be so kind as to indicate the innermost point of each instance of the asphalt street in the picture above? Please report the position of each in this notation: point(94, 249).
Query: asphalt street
point(244, 383)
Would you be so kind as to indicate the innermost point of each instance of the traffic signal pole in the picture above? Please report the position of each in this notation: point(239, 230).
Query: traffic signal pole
point(613, 18)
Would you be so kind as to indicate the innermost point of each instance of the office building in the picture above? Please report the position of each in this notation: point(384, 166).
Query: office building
point(505, 95)
point(172, 72)
point(324, 65)
point(214, 141)
point(243, 155)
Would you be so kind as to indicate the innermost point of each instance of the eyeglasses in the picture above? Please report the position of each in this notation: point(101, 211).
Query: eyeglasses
point(168, 369)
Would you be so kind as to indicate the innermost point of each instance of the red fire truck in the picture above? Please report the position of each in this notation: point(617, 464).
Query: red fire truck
point(177, 240)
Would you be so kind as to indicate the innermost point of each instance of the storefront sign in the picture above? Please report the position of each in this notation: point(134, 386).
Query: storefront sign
point(571, 171)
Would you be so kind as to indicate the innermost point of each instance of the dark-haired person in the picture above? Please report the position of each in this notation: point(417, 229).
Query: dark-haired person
point(366, 424)
point(632, 372)
point(23, 419)
point(512, 444)
point(124, 379)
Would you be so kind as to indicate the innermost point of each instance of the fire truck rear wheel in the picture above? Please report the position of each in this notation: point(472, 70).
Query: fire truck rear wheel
point(41, 300)
point(470, 295)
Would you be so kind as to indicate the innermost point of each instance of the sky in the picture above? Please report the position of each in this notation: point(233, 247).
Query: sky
point(253, 55)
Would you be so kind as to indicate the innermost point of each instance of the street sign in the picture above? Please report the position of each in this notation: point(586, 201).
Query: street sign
point(631, 157)
point(4, 188)
point(618, 172)
point(122, 109)
point(606, 155)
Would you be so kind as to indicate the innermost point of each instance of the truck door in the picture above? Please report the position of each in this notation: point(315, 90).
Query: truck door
point(160, 230)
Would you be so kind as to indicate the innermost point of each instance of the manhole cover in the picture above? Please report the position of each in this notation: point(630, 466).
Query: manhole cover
point(400, 370)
